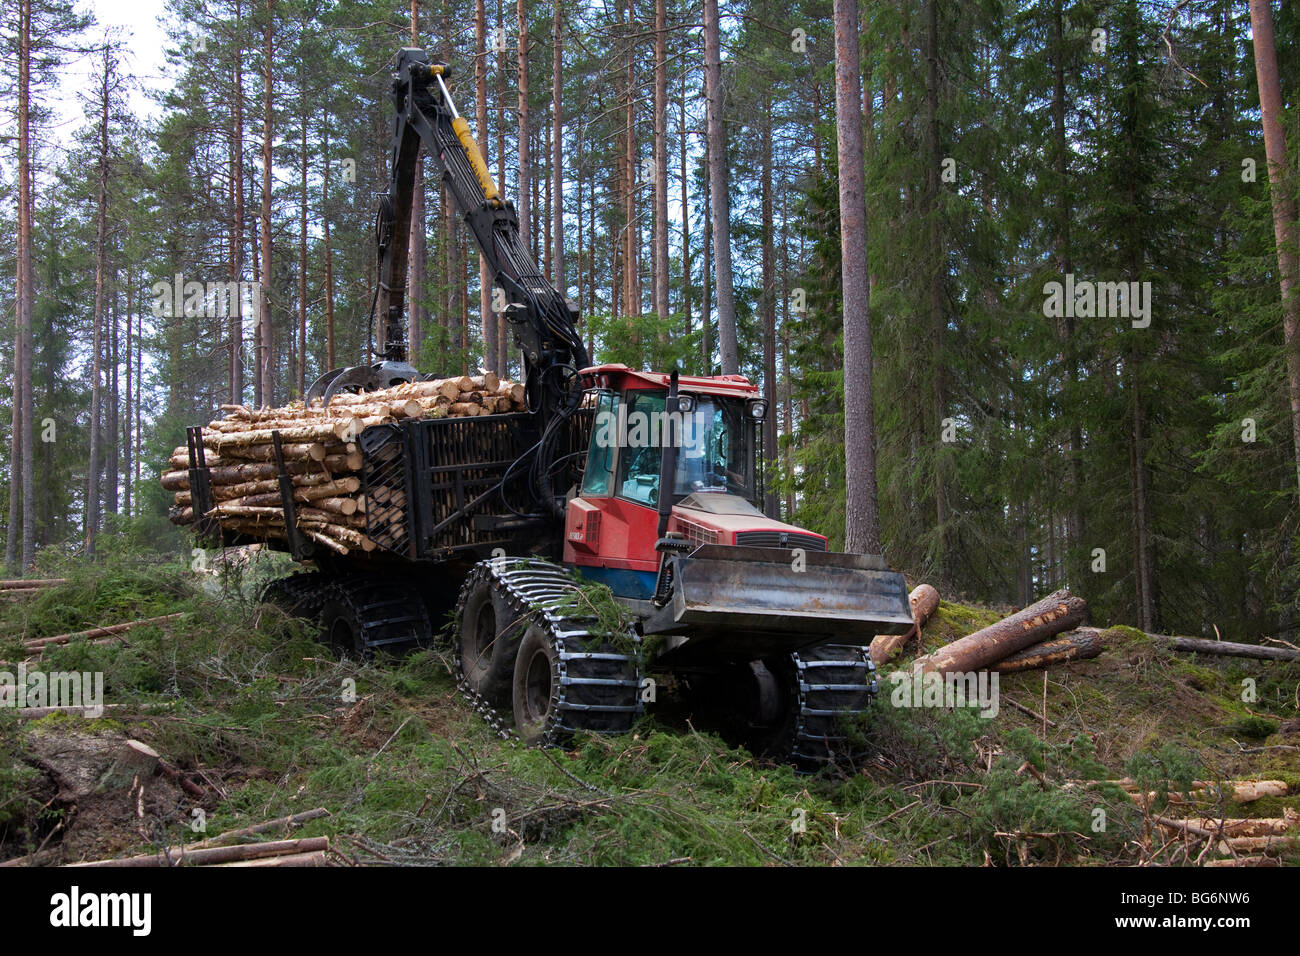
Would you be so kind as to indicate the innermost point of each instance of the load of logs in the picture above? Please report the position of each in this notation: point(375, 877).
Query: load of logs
point(321, 457)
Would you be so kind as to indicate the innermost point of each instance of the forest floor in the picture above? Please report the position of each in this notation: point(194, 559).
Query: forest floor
point(253, 710)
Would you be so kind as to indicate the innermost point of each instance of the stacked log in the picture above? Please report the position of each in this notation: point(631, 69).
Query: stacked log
point(321, 457)
point(1055, 613)
point(1081, 644)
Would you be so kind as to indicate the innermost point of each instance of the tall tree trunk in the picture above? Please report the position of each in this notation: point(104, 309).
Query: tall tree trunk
point(329, 252)
point(861, 517)
point(660, 238)
point(934, 289)
point(487, 319)
point(113, 459)
point(771, 504)
point(557, 149)
point(631, 225)
point(547, 247)
point(302, 251)
point(419, 238)
point(127, 430)
point(1076, 536)
point(525, 169)
point(1286, 230)
point(13, 529)
point(718, 182)
point(706, 264)
point(686, 215)
point(101, 282)
point(235, 331)
point(28, 456)
point(266, 357)
point(503, 344)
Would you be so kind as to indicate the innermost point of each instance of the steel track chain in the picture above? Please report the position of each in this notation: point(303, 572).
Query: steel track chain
point(531, 588)
point(834, 681)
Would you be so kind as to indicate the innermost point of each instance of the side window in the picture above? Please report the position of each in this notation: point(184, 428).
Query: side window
point(598, 479)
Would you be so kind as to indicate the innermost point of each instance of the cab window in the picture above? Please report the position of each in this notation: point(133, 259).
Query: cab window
point(599, 476)
point(638, 468)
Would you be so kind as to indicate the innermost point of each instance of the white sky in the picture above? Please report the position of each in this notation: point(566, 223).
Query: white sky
point(137, 23)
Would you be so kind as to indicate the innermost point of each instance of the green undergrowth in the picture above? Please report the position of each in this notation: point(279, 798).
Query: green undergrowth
point(409, 773)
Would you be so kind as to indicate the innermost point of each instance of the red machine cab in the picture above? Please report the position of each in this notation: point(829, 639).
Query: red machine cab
point(611, 526)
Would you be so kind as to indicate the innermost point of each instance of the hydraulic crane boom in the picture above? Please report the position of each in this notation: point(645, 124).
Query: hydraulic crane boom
point(542, 319)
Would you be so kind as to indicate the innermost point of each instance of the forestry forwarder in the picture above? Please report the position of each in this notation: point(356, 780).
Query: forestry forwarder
point(753, 616)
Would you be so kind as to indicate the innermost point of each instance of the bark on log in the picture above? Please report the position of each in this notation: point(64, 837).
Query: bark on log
point(315, 858)
point(1081, 644)
point(1243, 861)
point(1271, 845)
point(31, 583)
point(219, 854)
point(1197, 645)
point(924, 599)
point(1055, 613)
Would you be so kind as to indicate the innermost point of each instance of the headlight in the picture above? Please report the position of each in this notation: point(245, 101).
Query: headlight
point(685, 403)
point(757, 409)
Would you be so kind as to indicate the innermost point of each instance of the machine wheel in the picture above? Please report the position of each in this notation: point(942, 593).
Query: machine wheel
point(361, 615)
point(536, 688)
point(487, 638)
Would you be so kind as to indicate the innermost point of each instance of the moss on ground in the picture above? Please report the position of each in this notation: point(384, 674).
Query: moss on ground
point(278, 725)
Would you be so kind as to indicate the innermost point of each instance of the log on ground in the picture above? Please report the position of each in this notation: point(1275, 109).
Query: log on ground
point(1052, 615)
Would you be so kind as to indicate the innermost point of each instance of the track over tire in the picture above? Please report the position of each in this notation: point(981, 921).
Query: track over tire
point(821, 689)
point(362, 615)
point(487, 638)
point(836, 682)
point(298, 595)
point(536, 687)
point(582, 681)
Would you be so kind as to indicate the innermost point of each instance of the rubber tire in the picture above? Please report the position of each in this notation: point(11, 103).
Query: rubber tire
point(487, 663)
point(534, 694)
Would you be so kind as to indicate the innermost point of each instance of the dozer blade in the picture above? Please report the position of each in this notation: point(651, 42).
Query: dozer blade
point(732, 601)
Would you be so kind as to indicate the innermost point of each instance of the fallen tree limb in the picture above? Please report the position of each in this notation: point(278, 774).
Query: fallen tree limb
point(94, 632)
point(218, 854)
point(288, 822)
point(1234, 791)
point(1260, 844)
point(314, 858)
point(1197, 645)
point(1028, 712)
point(1235, 827)
point(1243, 861)
point(23, 584)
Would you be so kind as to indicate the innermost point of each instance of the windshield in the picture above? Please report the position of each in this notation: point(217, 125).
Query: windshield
point(714, 447)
